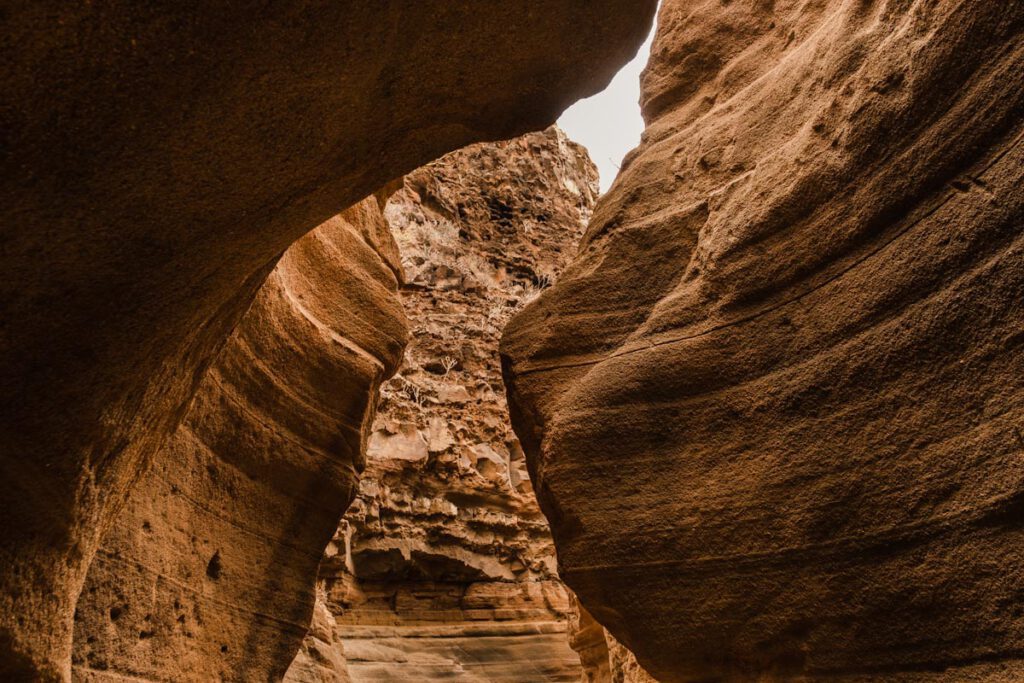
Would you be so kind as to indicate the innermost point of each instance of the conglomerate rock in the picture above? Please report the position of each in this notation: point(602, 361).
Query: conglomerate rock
point(444, 569)
point(159, 157)
point(773, 409)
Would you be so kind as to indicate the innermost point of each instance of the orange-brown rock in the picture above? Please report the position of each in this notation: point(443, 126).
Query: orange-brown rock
point(321, 658)
point(208, 572)
point(444, 568)
point(773, 410)
point(604, 659)
point(160, 157)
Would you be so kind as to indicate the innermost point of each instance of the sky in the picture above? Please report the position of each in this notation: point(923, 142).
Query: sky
point(609, 123)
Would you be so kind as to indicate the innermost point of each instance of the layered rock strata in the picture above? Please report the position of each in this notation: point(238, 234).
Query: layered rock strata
point(208, 572)
point(773, 409)
point(162, 157)
point(444, 567)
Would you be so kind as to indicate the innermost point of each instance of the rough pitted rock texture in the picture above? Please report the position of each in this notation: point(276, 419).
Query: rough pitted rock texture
point(623, 665)
point(773, 409)
point(161, 157)
point(443, 568)
point(208, 573)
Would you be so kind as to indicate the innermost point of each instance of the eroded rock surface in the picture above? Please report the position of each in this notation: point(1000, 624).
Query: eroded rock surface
point(444, 568)
point(604, 659)
point(209, 571)
point(321, 659)
point(773, 410)
point(161, 157)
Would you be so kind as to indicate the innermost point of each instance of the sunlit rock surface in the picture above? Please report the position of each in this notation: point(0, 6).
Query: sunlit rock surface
point(773, 409)
point(444, 567)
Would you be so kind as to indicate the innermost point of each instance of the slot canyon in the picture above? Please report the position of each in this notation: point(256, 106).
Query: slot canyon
point(324, 359)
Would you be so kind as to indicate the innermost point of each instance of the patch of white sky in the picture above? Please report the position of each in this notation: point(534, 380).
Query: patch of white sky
point(609, 123)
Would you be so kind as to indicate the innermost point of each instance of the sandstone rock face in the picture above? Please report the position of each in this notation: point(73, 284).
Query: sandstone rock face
point(162, 156)
point(587, 637)
point(321, 659)
point(623, 665)
point(773, 410)
point(604, 659)
point(208, 572)
point(444, 568)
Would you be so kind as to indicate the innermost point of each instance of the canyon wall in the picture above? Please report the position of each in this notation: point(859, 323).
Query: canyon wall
point(773, 409)
point(208, 572)
point(162, 157)
point(603, 659)
point(444, 568)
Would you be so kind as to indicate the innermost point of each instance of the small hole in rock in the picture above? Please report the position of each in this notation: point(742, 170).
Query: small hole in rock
point(213, 569)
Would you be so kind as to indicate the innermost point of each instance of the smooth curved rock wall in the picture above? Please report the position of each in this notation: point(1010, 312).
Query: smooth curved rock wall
point(208, 573)
point(773, 411)
point(162, 157)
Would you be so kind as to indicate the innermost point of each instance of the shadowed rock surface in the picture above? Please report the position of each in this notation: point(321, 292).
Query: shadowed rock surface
point(162, 157)
point(444, 568)
point(604, 659)
point(773, 410)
